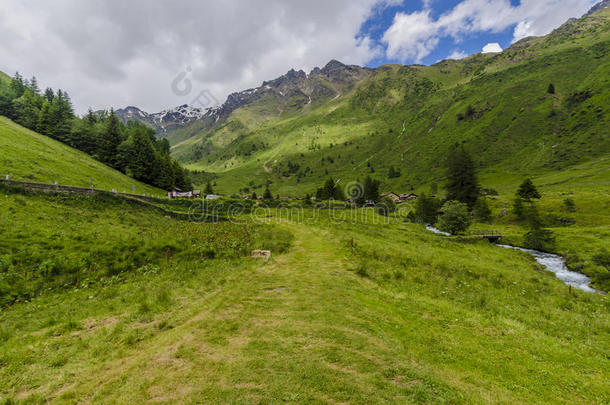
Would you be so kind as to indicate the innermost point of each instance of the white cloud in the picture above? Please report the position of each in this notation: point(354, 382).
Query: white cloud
point(411, 36)
point(118, 53)
point(492, 48)
point(457, 55)
point(415, 36)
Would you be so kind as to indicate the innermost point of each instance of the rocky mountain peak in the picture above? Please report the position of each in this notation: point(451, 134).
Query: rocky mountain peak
point(333, 66)
point(131, 113)
point(599, 6)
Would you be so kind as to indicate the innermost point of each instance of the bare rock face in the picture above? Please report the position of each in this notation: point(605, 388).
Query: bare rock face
point(598, 7)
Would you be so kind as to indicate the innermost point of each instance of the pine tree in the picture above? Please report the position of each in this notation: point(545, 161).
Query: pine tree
point(124, 155)
point(163, 146)
point(462, 182)
point(49, 95)
point(426, 209)
point(26, 109)
point(339, 195)
point(164, 176)
point(371, 189)
point(17, 85)
point(111, 139)
point(91, 118)
point(537, 237)
point(180, 180)
point(84, 133)
point(33, 85)
point(208, 189)
point(142, 160)
point(551, 89)
point(44, 124)
point(61, 117)
point(267, 195)
point(528, 191)
point(328, 191)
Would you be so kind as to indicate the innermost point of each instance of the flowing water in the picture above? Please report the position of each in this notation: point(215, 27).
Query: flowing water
point(554, 263)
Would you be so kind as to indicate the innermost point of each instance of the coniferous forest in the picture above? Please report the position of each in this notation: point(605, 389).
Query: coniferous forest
point(131, 148)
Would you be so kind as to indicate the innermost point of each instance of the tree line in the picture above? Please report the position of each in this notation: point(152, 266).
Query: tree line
point(131, 148)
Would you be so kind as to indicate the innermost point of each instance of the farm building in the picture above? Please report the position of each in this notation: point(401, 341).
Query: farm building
point(408, 196)
point(177, 193)
point(393, 196)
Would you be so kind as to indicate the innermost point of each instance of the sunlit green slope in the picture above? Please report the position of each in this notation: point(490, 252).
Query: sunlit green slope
point(28, 156)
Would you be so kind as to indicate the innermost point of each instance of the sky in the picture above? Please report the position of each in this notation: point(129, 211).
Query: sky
point(164, 53)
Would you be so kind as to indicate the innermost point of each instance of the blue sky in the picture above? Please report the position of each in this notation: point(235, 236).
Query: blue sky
point(541, 15)
point(376, 26)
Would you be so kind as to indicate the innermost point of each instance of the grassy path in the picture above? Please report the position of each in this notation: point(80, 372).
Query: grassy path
point(305, 328)
point(299, 328)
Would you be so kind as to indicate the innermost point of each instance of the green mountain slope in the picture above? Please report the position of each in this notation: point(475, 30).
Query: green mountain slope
point(408, 117)
point(28, 156)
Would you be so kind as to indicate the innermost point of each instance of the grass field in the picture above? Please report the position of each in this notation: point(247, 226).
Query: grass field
point(28, 156)
point(356, 310)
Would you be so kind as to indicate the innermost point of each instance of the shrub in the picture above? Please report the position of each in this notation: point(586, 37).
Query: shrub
point(393, 173)
point(411, 217)
point(386, 206)
point(539, 239)
point(570, 205)
point(470, 111)
point(455, 218)
point(481, 210)
point(602, 258)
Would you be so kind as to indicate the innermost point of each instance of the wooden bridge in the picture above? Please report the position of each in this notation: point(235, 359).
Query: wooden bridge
point(491, 236)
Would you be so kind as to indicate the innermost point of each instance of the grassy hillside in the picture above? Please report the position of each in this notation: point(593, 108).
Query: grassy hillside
point(409, 116)
point(78, 240)
point(357, 308)
point(28, 156)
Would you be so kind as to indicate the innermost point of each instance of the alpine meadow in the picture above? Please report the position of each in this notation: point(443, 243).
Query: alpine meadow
point(395, 226)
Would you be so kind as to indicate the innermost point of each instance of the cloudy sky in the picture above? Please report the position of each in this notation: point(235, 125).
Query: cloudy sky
point(163, 53)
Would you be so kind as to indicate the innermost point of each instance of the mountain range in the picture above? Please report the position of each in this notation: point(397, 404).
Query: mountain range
point(292, 91)
point(539, 105)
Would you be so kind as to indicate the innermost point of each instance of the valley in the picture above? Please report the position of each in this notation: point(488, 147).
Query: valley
point(497, 104)
point(397, 234)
